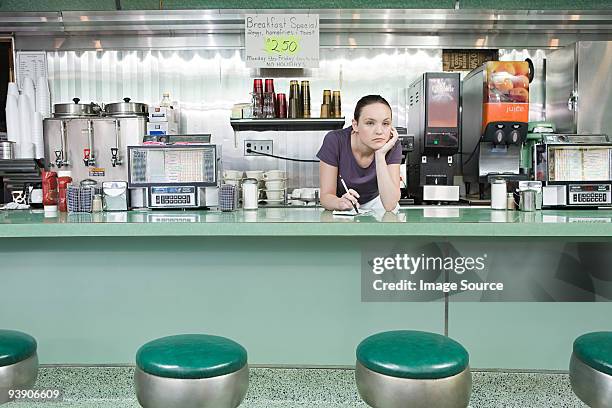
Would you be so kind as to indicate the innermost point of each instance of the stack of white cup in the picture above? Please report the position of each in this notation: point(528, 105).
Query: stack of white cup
point(234, 178)
point(275, 185)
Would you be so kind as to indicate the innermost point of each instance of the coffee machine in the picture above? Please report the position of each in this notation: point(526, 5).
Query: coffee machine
point(434, 120)
point(494, 122)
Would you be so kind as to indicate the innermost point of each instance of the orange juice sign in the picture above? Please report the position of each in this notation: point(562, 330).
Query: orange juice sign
point(282, 40)
point(506, 92)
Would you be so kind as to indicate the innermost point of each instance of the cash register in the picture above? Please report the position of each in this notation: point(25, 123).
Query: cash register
point(174, 176)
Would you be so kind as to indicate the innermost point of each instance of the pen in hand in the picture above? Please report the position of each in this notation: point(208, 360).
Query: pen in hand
point(347, 191)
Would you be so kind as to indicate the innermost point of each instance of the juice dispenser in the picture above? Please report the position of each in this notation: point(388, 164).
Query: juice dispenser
point(494, 122)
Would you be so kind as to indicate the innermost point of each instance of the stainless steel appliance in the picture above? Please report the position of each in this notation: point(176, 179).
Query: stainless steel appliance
point(174, 176)
point(576, 170)
point(76, 109)
point(578, 88)
point(92, 146)
point(495, 112)
point(126, 108)
point(433, 119)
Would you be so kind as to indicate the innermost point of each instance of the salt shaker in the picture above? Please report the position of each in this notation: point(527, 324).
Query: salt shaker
point(510, 200)
point(250, 194)
point(96, 205)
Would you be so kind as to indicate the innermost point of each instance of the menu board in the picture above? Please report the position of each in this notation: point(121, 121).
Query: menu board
point(31, 64)
point(282, 40)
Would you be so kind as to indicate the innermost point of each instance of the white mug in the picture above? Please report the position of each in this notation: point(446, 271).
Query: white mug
point(232, 174)
point(275, 184)
point(274, 194)
point(275, 175)
point(255, 174)
point(296, 193)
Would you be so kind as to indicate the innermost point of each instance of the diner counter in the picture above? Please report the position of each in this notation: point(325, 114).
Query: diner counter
point(432, 221)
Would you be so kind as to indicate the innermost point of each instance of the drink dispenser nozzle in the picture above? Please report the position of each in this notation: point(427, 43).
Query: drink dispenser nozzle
point(60, 155)
point(115, 159)
point(88, 154)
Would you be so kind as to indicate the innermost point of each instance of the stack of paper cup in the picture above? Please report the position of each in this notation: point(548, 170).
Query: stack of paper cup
point(43, 98)
point(12, 89)
point(27, 88)
point(25, 145)
point(12, 120)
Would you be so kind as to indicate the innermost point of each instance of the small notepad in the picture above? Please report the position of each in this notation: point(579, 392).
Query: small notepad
point(352, 213)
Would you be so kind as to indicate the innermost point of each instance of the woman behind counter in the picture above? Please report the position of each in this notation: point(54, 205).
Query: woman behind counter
point(368, 158)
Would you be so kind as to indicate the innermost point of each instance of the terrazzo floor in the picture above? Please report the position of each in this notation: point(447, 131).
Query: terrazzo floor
point(111, 387)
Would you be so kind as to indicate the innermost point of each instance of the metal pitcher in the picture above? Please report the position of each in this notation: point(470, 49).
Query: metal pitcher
point(528, 200)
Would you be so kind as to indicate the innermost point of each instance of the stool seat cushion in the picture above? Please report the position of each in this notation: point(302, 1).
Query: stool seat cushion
point(412, 354)
point(192, 356)
point(595, 350)
point(15, 346)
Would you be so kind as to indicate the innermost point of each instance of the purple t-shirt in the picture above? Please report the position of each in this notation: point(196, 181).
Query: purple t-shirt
point(336, 151)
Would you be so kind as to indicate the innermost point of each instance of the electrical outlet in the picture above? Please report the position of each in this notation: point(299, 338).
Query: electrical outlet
point(260, 146)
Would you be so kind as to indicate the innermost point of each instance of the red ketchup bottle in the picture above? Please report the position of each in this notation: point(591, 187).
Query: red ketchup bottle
point(62, 188)
point(49, 186)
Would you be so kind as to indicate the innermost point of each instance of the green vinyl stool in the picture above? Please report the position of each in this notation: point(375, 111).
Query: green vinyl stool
point(406, 368)
point(191, 371)
point(591, 369)
point(18, 362)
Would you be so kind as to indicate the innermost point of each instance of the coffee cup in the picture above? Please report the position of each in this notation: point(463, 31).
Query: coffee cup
point(255, 174)
point(275, 175)
point(275, 184)
point(232, 174)
point(307, 194)
point(274, 194)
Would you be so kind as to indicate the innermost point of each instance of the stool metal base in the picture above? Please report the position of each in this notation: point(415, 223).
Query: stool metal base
point(383, 391)
point(225, 391)
point(18, 376)
point(593, 387)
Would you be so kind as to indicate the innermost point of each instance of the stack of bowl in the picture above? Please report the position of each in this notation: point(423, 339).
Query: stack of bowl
point(275, 185)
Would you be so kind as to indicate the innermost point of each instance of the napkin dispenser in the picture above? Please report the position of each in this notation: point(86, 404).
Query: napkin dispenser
point(115, 195)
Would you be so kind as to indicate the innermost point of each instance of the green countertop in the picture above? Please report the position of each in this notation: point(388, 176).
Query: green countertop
point(432, 221)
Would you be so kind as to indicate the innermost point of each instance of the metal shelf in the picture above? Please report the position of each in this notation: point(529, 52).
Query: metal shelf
point(261, 125)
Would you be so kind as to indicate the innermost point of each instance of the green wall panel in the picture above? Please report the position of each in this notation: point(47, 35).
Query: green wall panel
point(56, 5)
point(288, 301)
point(537, 4)
point(302, 4)
point(87, 5)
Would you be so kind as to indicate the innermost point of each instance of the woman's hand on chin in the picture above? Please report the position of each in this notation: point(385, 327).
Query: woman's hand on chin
point(389, 145)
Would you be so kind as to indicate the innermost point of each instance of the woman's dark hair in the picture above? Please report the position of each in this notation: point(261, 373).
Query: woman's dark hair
point(369, 100)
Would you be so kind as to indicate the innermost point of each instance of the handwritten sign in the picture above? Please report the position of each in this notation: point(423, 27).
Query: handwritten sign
point(282, 40)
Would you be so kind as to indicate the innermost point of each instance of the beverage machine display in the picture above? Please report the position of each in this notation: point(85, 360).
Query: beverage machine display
point(434, 125)
point(495, 114)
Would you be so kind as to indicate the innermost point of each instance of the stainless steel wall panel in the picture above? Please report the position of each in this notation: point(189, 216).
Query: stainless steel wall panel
point(209, 82)
point(561, 79)
point(594, 87)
